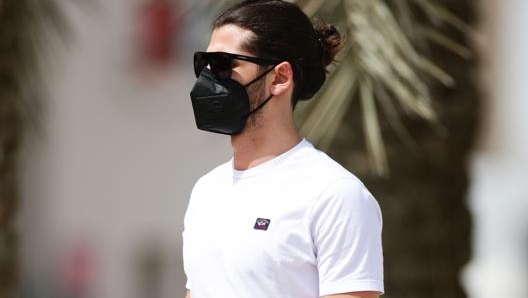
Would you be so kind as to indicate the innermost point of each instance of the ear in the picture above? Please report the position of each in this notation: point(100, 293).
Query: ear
point(282, 79)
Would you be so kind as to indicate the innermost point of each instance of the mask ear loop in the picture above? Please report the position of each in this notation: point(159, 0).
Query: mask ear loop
point(267, 99)
point(260, 105)
point(260, 76)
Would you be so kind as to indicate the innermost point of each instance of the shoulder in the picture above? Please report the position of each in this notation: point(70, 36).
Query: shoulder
point(335, 191)
point(316, 162)
point(325, 178)
point(346, 196)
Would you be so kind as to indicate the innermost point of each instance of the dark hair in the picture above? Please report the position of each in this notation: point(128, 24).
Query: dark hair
point(283, 32)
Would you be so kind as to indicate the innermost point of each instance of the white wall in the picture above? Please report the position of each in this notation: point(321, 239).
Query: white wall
point(499, 191)
point(116, 154)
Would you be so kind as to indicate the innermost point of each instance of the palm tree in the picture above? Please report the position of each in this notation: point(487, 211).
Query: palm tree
point(402, 98)
point(427, 225)
point(20, 24)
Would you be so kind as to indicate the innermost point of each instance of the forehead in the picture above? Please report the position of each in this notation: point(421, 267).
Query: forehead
point(229, 38)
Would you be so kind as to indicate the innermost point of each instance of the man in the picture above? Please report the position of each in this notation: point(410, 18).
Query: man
point(280, 219)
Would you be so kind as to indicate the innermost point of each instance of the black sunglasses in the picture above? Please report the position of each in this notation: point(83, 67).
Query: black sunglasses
point(220, 63)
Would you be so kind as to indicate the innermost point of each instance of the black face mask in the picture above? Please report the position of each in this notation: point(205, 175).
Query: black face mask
point(222, 105)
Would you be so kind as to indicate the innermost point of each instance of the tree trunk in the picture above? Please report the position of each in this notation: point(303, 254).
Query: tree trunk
point(9, 139)
point(20, 24)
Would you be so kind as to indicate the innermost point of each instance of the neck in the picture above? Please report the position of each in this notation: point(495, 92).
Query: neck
point(257, 147)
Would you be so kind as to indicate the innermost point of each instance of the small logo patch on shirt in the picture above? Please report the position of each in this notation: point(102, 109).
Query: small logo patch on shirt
point(262, 224)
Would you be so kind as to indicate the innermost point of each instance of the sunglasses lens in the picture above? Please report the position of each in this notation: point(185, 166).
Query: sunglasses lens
point(219, 64)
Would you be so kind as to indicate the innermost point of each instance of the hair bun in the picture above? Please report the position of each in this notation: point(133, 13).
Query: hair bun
point(330, 39)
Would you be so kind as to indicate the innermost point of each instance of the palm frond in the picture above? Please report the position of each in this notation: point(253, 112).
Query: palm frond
point(373, 135)
point(383, 55)
point(445, 41)
point(323, 124)
point(438, 12)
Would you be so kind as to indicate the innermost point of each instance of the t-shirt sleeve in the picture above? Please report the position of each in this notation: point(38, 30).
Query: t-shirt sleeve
point(346, 228)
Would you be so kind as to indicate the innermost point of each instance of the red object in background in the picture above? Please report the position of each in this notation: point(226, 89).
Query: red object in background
point(78, 271)
point(158, 29)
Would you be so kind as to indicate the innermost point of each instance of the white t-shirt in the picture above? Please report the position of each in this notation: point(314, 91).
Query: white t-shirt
point(299, 225)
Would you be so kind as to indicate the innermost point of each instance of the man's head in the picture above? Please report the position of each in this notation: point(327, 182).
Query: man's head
point(260, 49)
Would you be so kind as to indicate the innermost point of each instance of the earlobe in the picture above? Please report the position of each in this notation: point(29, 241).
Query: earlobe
point(283, 78)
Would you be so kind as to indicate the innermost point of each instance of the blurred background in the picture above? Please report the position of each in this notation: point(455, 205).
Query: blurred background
point(99, 149)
